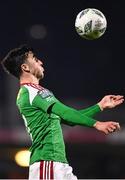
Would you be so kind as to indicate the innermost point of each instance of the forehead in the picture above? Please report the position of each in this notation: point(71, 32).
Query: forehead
point(30, 54)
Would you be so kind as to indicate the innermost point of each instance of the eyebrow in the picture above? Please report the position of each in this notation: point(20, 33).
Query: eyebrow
point(34, 55)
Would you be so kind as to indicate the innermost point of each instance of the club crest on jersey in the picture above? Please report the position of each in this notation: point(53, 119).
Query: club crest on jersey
point(45, 93)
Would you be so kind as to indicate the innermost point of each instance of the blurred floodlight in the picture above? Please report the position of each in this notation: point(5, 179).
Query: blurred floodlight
point(38, 31)
point(22, 158)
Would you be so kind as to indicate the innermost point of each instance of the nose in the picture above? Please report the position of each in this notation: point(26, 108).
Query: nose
point(41, 63)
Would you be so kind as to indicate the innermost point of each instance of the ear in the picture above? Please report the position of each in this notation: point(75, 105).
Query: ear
point(25, 67)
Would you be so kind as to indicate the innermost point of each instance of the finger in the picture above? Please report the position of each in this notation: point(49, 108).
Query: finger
point(110, 129)
point(118, 97)
point(117, 125)
point(114, 123)
point(113, 127)
point(106, 132)
point(118, 102)
point(112, 96)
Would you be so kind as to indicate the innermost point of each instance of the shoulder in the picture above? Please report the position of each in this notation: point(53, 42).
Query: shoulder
point(44, 93)
point(21, 91)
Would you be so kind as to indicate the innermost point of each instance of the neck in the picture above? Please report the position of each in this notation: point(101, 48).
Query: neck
point(29, 79)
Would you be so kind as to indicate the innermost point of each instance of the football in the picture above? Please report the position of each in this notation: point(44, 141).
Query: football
point(90, 23)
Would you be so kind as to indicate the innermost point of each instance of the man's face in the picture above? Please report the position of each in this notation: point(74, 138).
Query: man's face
point(34, 65)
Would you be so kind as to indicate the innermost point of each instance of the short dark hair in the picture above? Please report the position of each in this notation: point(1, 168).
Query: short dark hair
point(14, 59)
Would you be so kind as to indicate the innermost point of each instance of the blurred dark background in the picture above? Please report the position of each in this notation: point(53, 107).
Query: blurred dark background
point(78, 71)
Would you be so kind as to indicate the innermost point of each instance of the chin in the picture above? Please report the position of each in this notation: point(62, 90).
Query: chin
point(41, 76)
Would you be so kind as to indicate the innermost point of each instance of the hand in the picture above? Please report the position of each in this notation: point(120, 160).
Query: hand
point(107, 127)
point(110, 101)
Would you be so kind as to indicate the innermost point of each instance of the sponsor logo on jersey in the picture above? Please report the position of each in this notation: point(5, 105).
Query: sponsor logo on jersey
point(45, 93)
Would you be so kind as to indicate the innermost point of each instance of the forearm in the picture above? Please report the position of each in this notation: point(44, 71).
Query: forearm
point(71, 115)
point(91, 111)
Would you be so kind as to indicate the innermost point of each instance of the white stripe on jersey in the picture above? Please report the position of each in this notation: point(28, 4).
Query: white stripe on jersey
point(32, 93)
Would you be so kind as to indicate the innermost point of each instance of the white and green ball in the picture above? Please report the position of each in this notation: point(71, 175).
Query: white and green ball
point(90, 23)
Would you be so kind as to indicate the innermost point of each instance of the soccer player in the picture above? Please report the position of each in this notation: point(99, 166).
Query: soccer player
point(43, 113)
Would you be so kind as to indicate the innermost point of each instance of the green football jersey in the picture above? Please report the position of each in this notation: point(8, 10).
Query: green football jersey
point(42, 114)
point(44, 128)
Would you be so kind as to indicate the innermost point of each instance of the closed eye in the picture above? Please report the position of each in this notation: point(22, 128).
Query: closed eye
point(36, 59)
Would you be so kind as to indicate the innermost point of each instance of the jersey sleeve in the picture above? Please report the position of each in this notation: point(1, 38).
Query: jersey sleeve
point(44, 99)
point(71, 115)
point(91, 111)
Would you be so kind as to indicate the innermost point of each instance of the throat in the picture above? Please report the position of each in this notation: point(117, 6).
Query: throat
point(29, 79)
